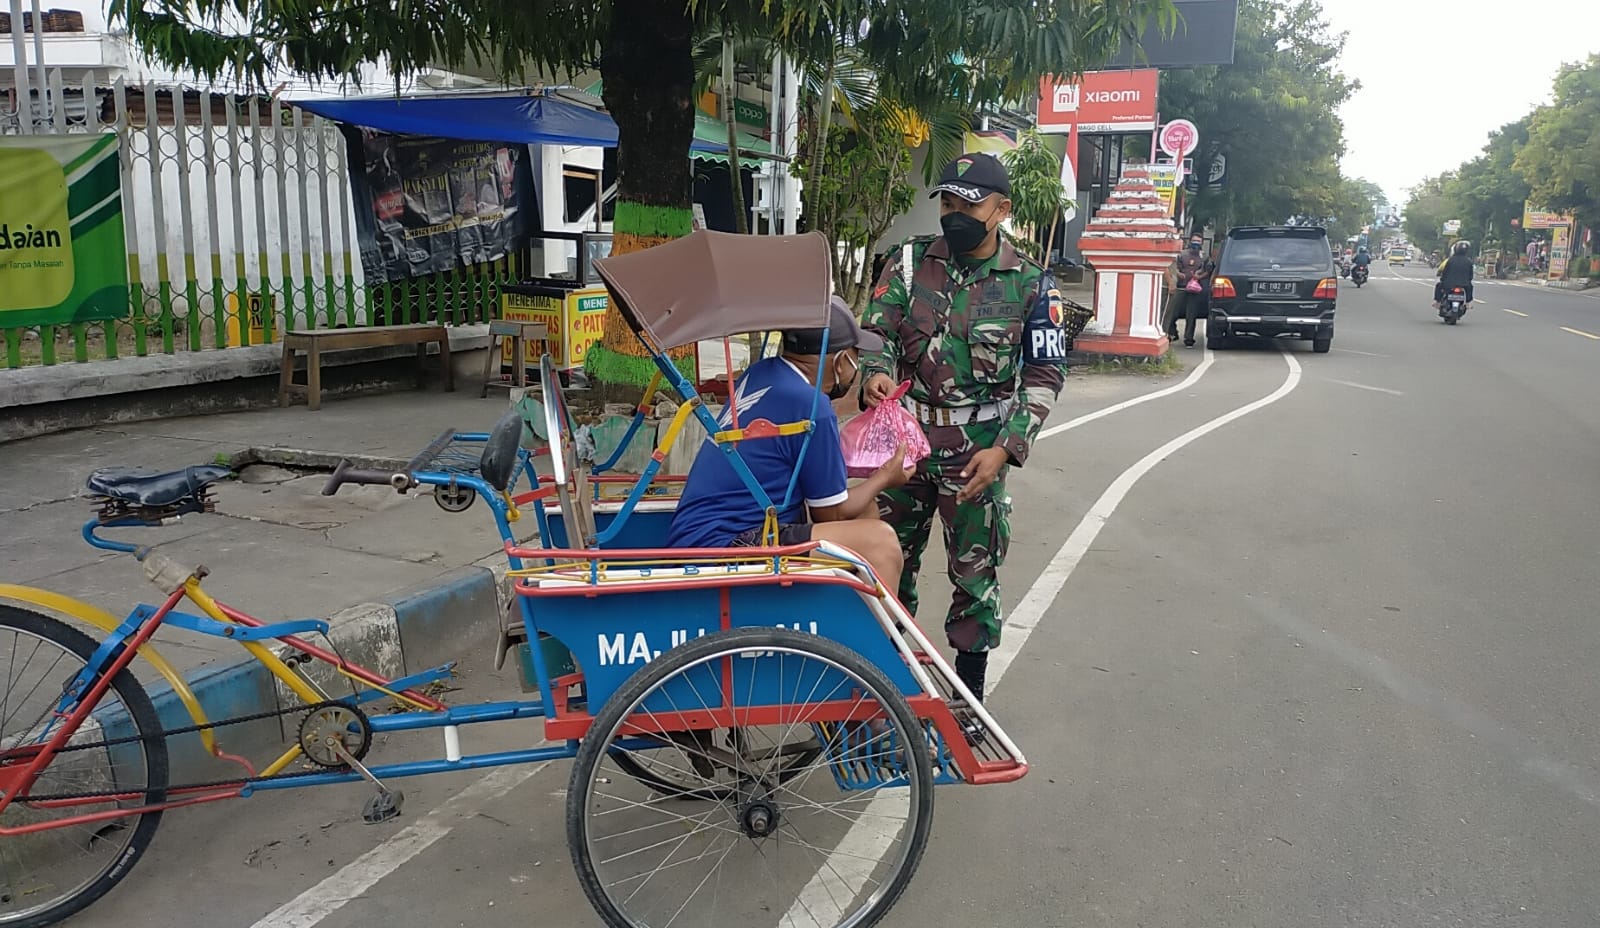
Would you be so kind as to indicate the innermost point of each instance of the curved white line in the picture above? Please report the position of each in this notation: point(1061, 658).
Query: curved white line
point(860, 841)
point(1086, 418)
point(1022, 620)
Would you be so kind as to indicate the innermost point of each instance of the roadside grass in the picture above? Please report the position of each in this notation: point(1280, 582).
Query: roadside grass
point(1164, 366)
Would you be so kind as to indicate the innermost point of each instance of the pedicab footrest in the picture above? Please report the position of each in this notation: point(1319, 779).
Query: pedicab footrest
point(967, 751)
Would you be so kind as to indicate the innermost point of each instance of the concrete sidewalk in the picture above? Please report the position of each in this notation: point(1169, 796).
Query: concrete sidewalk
point(398, 576)
point(405, 584)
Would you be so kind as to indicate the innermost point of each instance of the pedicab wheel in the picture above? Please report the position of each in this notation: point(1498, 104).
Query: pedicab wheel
point(46, 876)
point(754, 852)
point(454, 499)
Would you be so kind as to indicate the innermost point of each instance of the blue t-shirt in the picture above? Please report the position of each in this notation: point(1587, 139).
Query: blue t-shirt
point(717, 506)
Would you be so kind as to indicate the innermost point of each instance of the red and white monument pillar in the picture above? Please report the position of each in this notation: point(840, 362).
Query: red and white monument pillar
point(1131, 242)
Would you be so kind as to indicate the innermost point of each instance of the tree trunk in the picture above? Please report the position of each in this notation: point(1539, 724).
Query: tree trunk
point(741, 216)
point(648, 68)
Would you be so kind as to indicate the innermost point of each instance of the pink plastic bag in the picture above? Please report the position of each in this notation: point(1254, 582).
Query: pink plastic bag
point(869, 439)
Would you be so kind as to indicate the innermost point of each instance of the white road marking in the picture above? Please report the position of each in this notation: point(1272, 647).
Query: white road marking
point(1353, 351)
point(1086, 418)
point(816, 898)
point(1590, 335)
point(1362, 386)
point(1515, 313)
point(355, 878)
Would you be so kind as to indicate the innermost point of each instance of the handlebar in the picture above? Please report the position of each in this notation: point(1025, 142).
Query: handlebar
point(347, 473)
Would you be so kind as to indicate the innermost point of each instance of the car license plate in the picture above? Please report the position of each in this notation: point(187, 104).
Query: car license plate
point(1274, 287)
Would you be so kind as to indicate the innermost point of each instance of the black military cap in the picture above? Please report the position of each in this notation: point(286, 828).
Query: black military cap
point(974, 177)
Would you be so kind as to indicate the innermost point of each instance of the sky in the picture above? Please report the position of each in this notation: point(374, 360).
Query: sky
point(1438, 76)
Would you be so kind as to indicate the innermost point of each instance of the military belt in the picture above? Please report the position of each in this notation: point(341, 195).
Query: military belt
point(953, 415)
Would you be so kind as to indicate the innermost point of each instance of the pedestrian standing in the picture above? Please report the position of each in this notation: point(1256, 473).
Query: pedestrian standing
point(976, 328)
point(1193, 290)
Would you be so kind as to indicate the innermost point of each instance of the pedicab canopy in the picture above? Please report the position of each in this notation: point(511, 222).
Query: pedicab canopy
point(714, 284)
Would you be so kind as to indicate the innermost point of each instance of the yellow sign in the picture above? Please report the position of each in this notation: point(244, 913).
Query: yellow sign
point(1164, 177)
point(1542, 218)
point(254, 316)
point(574, 318)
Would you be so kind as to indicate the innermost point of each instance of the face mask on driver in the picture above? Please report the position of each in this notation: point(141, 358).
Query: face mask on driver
point(964, 232)
point(841, 385)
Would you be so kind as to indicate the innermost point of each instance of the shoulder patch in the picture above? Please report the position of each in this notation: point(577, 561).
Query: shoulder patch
point(1044, 339)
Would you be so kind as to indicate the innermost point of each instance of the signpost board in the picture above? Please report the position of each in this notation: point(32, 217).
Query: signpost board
point(1178, 138)
point(1099, 102)
point(1164, 177)
point(63, 257)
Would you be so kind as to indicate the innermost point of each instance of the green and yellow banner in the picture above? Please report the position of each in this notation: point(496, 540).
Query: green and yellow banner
point(63, 258)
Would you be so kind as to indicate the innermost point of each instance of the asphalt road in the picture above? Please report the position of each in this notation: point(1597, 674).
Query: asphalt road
point(1326, 660)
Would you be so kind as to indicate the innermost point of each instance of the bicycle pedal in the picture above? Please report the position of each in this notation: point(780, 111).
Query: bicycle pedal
point(382, 807)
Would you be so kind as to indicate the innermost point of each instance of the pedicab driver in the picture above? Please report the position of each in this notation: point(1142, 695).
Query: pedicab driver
point(977, 329)
point(718, 511)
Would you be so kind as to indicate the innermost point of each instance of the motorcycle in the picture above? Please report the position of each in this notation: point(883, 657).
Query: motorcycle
point(1359, 274)
point(1453, 306)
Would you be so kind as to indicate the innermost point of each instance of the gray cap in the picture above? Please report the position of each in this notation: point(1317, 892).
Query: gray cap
point(843, 332)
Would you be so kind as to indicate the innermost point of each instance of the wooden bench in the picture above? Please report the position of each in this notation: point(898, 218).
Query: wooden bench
point(314, 342)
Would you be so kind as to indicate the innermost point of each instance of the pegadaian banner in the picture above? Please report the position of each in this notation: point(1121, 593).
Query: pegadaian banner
point(63, 257)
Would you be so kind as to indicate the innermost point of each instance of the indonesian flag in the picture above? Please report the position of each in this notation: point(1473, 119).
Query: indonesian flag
point(1069, 174)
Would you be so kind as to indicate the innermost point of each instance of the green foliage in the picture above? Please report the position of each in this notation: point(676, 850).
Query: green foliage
point(1037, 196)
point(863, 184)
point(1561, 160)
point(1273, 112)
point(1550, 157)
point(1426, 212)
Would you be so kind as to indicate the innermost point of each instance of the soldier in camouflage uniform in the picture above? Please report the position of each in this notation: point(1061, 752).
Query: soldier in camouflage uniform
point(977, 329)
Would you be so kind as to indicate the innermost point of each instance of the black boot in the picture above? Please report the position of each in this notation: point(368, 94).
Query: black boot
point(972, 667)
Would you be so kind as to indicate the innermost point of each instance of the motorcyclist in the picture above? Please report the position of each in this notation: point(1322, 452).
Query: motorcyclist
point(1362, 260)
point(1455, 272)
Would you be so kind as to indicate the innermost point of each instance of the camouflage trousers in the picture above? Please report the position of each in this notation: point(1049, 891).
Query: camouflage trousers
point(976, 533)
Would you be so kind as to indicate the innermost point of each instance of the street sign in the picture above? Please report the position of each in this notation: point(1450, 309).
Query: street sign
point(1179, 137)
point(1452, 226)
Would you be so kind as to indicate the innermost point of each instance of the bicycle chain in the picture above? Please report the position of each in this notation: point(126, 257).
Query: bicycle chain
point(187, 729)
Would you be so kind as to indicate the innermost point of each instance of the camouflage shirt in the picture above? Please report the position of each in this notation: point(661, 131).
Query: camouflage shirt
point(988, 334)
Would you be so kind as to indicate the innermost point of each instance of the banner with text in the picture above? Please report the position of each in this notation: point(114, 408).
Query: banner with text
point(425, 205)
point(1542, 218)
point(1099, 102)
point(63, 257)
point(1164, 177)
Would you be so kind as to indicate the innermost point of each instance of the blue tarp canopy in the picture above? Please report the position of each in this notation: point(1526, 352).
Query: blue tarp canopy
point(520, 118)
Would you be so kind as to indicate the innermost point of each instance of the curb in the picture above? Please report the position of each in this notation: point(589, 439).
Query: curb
point(433, 623)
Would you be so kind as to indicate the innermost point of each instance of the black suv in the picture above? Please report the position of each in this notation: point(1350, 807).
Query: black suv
point(1274, 282)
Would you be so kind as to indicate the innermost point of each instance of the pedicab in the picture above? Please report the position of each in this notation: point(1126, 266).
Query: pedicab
point(755, 732)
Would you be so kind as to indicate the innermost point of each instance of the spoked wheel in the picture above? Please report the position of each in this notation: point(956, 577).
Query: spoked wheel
point(831, 841)
point(48, 875)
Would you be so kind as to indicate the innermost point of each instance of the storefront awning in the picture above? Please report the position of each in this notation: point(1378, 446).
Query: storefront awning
point(507, 118)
